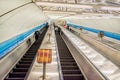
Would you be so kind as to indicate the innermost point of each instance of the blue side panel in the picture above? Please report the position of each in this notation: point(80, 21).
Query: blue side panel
point(92, 30)
point(10, 44)
point(112, 35)
point(106, 33)
point(75, 26)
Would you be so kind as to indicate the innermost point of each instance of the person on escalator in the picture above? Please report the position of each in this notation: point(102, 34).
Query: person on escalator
point(68, 27)
point(37, 34)
point(59, 31)
point(56, 28)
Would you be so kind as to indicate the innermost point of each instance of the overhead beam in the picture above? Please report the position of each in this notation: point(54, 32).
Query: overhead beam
point(83, 6)
point(68, 5)
point(72, 12)
point(59, 12)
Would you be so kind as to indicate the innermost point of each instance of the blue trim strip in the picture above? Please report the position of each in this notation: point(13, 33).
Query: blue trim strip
point(10, 44)
point(106, 33)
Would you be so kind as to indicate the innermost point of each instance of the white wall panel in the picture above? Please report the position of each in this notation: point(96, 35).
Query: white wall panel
point(107, 24)
point(7, 5)
point(20, 20)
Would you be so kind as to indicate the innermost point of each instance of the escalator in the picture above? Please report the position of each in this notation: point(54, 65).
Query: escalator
point(21, 69)
point(69, 67)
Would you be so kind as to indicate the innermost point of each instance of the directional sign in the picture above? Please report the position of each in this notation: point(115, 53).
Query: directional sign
point(44, 56)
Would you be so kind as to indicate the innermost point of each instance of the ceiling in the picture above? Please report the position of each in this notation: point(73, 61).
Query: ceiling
point(62, 8)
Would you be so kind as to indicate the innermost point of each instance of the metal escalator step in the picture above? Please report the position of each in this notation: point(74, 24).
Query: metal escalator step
point(29, 51)
point(14, 79)
point(71, 72)
point(27, 59)
point(68, 64)
point(32, 54)
point(28, 56)
point(22, 65)
point(20, 69)
point(73, 77)
point(33, 48)
point(69, 67)
point(66, 57)
point(69, 60)
point(17, 75)
point(25, 62)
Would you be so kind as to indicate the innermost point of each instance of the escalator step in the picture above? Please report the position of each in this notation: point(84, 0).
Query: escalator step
point(27, 59)
point(23, 65)
point(66, 57)
point(34, 47)
point(69, 60)
point(25, 62)
point(70, 68)
point(68, 64)
point(14, 79)
point(31, 51)
point(73, 77)
point(71, 72)
point(17, 75)
point(20, 69)
point(28, 56)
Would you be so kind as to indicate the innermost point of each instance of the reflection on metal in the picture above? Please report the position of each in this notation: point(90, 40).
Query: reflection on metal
point(110, 47)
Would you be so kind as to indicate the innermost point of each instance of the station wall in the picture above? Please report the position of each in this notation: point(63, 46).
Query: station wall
point(107, 24)
point(8, 5)
point(18, 16)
